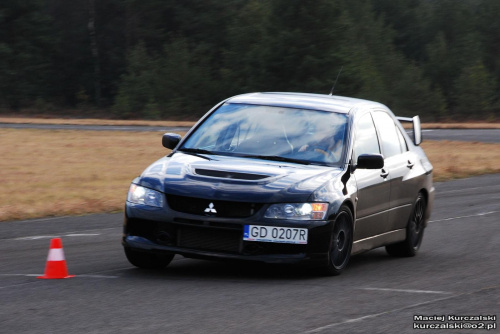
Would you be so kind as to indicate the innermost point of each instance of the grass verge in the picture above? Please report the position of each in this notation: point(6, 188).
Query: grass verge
point(49, 173)
point(455, 159)
point(65, 172)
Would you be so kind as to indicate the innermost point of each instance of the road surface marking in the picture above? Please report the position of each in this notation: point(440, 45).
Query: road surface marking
point(460, 217)
point(37, 237)
point(405, 290)
point(82, 275)
point(375, 315)
point(465, 189)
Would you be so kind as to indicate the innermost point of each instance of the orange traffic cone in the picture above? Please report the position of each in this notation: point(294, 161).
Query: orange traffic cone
point(56, 264)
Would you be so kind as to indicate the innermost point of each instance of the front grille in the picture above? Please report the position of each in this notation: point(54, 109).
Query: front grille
point(195, 222)
point(202, 207)
point(191, 234)
point(209, 239)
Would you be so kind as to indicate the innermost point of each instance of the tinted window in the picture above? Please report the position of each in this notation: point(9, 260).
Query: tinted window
point(388, 135)
point(366, 137)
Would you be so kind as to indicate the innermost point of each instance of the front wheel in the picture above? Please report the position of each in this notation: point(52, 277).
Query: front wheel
point(414, 231)
point(147, 260)
point(341, 242)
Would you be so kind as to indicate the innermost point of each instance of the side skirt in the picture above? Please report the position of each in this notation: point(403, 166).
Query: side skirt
point(367, 244)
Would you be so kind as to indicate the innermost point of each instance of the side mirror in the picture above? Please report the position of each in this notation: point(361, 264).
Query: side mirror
point(417, 131)
point(370, 161)
point(170, 140)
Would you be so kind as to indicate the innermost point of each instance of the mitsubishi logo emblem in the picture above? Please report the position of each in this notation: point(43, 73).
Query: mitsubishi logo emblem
point(211, 208)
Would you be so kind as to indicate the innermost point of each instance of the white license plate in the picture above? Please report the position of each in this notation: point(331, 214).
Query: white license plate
point(288, 235)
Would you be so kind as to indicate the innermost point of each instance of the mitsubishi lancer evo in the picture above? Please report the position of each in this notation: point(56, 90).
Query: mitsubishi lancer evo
point(283, 178)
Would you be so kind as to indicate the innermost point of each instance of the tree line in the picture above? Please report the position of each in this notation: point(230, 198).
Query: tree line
point(177, 58)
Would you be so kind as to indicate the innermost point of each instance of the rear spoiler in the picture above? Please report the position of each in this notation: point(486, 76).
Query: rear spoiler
point(417, 129)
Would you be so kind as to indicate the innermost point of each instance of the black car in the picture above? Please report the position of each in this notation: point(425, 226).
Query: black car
point(283, 178)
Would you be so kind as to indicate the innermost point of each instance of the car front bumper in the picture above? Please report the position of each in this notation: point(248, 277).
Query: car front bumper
point(157, 230)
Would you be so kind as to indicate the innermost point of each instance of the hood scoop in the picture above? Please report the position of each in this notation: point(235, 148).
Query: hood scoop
point(230, 175)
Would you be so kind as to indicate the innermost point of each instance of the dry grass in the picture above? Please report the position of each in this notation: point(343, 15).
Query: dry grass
point(49, 173)
point(453, 159)
point(46, 173)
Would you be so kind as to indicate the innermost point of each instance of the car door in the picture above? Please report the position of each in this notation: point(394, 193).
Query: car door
point(373, 193)
point(398, 163)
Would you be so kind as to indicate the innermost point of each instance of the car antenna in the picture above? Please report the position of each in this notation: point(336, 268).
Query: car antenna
point(331, 92)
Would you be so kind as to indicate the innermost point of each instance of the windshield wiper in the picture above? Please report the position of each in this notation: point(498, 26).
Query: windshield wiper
point(196, 152)
point(277, 158)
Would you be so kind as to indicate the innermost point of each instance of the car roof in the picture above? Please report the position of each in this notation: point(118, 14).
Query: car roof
point(323, 102)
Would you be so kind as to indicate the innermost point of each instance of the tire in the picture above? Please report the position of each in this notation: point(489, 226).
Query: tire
point(148, 260)
point(414, 232)
point(340, 248)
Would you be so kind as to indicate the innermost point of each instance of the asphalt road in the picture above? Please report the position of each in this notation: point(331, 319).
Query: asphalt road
point(456, 273)
point(140, 128)
point(480, 135)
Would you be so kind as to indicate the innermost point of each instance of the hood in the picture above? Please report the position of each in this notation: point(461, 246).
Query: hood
point(236, 178)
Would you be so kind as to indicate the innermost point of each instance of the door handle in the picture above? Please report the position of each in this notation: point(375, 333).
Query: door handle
point(384, 173)
point(410, 164)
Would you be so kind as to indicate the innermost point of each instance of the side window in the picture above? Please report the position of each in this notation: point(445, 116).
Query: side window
point(366, 137)
point(402, 141)
point(388, 135)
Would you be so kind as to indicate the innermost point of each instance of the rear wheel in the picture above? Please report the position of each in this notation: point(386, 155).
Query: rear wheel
point(147, 260)
point(414, 231)
point(341, 243)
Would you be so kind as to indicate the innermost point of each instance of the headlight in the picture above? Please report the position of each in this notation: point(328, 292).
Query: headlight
point(300, 211)
point(145, 196)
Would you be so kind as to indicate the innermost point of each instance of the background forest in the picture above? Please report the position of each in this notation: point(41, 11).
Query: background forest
point(164, 59)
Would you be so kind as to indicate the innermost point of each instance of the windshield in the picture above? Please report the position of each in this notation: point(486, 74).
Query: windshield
point(274, 133)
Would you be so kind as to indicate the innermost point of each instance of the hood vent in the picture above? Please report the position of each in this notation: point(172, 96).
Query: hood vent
point(230, 175)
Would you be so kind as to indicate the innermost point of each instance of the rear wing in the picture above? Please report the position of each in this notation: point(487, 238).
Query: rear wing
point(417, 129)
